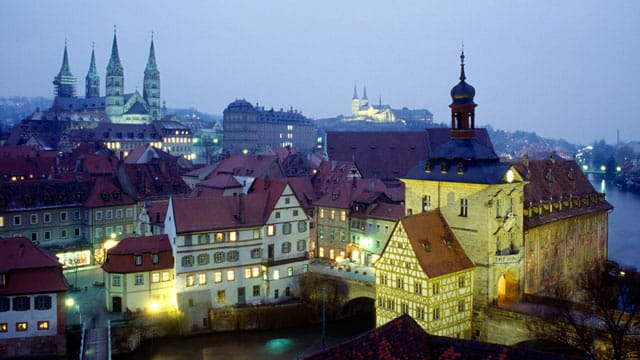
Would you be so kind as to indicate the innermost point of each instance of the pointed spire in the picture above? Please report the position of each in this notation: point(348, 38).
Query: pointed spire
point(92, 65)
point(92, 79)
point(380, 100)
point(355, 91)
point(151, 62)
point(64, 83)
point(462, 76)
point(364, 96)
point(64, 69)
point(115, 66)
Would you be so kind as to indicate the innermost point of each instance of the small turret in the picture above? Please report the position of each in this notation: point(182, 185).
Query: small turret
point(462, 108)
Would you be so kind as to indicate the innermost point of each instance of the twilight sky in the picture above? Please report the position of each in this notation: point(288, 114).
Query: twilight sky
point(561, 69)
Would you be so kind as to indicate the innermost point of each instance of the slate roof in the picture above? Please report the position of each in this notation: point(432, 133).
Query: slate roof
point(403, 338)
point(29, 268)
point(476, 172)
point(382, 155)
point(156, 180)
point(106, 192)
point(385, 211)
point(20, 195)
point(250, 165)
point(437, 137)
point(560, 188)
point(342, 195)
point(120, 259)
point(436, 247)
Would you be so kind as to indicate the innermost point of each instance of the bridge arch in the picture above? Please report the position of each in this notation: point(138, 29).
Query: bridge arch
point(507, 290)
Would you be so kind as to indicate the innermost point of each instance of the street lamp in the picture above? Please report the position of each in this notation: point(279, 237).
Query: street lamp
point(71, 303)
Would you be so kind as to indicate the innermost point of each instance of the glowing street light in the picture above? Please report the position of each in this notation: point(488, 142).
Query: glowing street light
point(71, 303)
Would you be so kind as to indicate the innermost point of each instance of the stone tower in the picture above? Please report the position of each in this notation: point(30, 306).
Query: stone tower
point(64, 83)
point(114, 97)
point(92, 80)
point(364, 103)
point(151, 86)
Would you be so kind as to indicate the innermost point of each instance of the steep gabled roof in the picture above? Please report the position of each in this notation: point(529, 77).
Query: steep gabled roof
point(105, 192)
point(29, 268)
point(120, 259)
point(250, 165)
point(436, 247)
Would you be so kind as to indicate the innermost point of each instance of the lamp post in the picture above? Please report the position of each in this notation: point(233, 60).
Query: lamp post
point(71, 303)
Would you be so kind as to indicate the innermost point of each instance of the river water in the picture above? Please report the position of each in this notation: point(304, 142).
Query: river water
point(624, 247)
point(624, 232)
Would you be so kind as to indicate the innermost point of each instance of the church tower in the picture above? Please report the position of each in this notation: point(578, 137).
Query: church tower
point(364, 103)
point(462, 108)
point(114, 97)
point(64, 83)
point(355, 102)
point(151, 85)
point(92, 80)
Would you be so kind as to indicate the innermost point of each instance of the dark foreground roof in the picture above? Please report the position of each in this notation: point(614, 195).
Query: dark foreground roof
point(403, 338)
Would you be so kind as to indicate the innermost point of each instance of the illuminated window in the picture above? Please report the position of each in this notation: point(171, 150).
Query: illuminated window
point(221, 297)
point(155, 277)
point(217, 276)
point(190, 280)
point(271, 230)
point(43, 325)
point(343, 215)
point(247, 273)
point(276, 274)
point(166, 276)
point(321, 252)
point(231, 275)
point(233, 236)
point(202, 278)
point(321, 213)
point(333, 215)
point(255, 271)
point(4, 327)
point(1, 221)
point(220, 237)
point(290, 271)
point(22, 326)
point(426, 203)
point(332, 254)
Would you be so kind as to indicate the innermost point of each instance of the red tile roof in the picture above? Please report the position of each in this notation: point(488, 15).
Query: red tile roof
point(434, 244)
point(385, 211)
point(120, 259)
point(561, 188)
point(105, 192)
point(29, 268)
point(250, 165)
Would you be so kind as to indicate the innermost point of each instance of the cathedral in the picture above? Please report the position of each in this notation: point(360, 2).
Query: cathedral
point(115, 106)
point(363, 110)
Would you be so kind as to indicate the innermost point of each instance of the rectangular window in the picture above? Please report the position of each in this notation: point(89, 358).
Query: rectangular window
point(155, 277)
point(256, 290)
point(277, 214)
point(255, 271)
point(301, 245)
point(417, 288)
point(34, 218)
point(4, 327)
point(187, 240)
point(98, 215)
point(321, 214)
point(43, 325)
point(219, 237)
point(343, 215)
point(218, 257)
point(286, 247)
point(426, 203)
point(22, 326)
point(247, 273)
point(464, 204)
point(271, 230)
point(46, 217)
point(287, 200)
point(221, 297)
point(286, 228)
point(203, 239)
point(139, 279)
point(256, 253)
point(276, 293)
point(333, 215)
point(217, 276)
point(1, 221)
point(202, 278)
point(42, 302)
point(290, 271)
point(76, 232)
point(129, 212)
point(190, 280)
point(295, 212)
point(498, 212)
point(302, 226)
point(187, 261)
point(436, 313)
point(154, 258)
point(233, 255)
point(166, 276)
point(231, 275)
point(436, 289)
point(64, 233)
point(108, 215)
point(99, 233)
point(276, 274)
point(21, 303)
point(17, 220)
point(76, 215)
point(137, 259)
point(461, 281)
point(119, 214)
point(203, 259)
point(34, 236)
point(115, 280)
point(233, 236)
point(5, 304)
point(461, 306)
point(420, 313)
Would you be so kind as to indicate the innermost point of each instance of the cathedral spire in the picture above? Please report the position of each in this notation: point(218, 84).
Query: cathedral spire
point(364, 95)
point(355, 92)
point(114, 95)
point(151, 84)
point(92, 80)
point(64, 83)
point(115, 66)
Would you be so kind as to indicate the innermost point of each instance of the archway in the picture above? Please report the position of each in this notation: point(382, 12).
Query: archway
point(507, 292)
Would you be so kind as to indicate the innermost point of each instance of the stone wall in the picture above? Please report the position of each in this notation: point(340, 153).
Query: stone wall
point(38, 346)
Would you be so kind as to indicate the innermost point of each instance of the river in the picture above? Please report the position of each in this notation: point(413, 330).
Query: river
point(624, 233)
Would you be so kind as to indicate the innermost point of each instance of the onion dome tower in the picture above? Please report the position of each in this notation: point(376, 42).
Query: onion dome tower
point(462, 108)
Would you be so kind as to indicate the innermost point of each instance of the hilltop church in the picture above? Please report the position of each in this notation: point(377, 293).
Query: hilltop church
point(115, 106)
point(363, 110)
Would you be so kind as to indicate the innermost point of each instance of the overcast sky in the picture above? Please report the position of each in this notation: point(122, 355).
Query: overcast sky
point(562, 69)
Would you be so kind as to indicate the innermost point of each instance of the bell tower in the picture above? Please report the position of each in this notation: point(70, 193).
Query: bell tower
point(114, 97)
point(64, 83)
point(92, 80)
point(355, 102)
point(462, 108)
point(151, 85)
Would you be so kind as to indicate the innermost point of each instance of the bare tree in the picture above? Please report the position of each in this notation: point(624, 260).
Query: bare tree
point(599, 315)
point(335, 293)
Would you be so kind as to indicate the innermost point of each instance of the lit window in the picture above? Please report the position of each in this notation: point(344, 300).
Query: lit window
point(233, 236)
point(202, 278)
point(321, 213)
point(221, 297)
point(343, 215)
point(271, 230)
point(155, 277)
point(290, 271)
point(1, 221)
point(247, 273)
point(4, 327)
point(276, 274)
point(255, 271)
point(219, 237)
point(190, 280)
point(333, 215)
point(22, 326)
point(166, 276)
point(43, 325)
point(217, 276)
point(231, 275)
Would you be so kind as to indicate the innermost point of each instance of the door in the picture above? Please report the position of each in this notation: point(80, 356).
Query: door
point(116, 304)
point(241, 296)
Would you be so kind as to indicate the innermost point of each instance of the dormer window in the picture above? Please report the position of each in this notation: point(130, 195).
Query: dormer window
point(3, 280)
point(137, 259)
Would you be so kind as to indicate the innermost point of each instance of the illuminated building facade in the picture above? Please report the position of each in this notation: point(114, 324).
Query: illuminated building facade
point(251, 129)
point(363, 110)
point(250, 250)
point(139, 275)
point(424, 272)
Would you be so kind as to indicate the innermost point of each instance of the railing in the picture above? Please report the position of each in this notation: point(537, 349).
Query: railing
point(82, 342)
